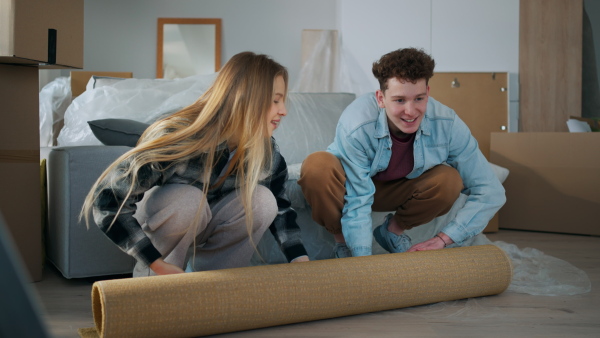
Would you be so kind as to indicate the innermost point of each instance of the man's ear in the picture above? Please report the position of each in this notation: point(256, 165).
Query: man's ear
point(380, 96)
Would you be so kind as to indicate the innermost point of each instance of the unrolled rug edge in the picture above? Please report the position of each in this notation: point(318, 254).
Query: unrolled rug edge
point(88, 332)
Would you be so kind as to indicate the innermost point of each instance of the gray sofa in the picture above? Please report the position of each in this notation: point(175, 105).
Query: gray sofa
point(80, 252)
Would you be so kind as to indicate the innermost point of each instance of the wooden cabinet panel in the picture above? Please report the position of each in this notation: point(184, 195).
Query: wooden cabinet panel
point(550, 59)
point(480, 99)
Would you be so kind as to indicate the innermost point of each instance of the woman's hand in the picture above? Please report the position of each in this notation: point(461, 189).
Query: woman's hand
point(440, 241)
point(160, 267)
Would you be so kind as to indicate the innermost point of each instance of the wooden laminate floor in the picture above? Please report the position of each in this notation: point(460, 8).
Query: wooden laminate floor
point(66, 304)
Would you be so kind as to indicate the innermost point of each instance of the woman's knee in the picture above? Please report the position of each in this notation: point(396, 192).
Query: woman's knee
point(264, 207)
point(176, 204)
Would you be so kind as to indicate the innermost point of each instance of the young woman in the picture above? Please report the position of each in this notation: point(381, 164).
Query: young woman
point(205, 182)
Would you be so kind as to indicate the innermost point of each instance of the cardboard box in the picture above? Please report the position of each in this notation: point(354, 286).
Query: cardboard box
point(493, 224)
point(554, 181)
point(20, 162)
point(33, 34)
point(48, 33)
point(79, 79)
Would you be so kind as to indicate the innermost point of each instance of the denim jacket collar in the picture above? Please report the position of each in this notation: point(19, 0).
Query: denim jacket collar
point(425, 127)
point(381, 128)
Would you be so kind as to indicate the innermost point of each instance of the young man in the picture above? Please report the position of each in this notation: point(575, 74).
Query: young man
point(399, 150)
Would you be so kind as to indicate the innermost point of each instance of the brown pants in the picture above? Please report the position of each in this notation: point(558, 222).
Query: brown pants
point(415, 201)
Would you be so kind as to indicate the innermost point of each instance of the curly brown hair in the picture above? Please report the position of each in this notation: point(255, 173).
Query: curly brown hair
point(409, 64)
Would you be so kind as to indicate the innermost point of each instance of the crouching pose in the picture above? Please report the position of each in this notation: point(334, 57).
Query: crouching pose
point(399, 150)
point(203, 185)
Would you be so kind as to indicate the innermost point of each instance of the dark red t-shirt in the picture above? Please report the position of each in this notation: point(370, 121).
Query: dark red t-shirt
point(402, 160)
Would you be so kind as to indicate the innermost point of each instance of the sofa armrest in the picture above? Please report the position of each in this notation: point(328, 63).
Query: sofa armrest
point(73, 248)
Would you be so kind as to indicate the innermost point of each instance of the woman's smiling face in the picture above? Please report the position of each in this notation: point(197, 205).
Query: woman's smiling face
point(278, 109)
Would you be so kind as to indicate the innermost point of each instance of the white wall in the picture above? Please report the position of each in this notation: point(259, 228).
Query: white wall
point(372, 28)
point(476, 35)
point(121, 35)
point(461, 35)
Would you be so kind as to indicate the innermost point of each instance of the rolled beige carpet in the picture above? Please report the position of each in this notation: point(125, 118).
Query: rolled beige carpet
point(211, 302)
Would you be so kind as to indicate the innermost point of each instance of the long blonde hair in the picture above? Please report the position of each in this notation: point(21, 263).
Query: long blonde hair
point(235, 108)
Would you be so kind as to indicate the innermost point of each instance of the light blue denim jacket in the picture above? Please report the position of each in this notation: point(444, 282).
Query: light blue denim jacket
point(363, 145)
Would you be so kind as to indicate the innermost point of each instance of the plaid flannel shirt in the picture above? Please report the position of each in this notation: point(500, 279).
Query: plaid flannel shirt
point(127, 233)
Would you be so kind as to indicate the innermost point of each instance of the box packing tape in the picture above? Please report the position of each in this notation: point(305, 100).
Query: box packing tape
point(20, 156)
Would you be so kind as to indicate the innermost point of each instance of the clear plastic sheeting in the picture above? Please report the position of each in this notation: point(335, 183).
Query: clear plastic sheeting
point(534, 272)
point(54, 98)
point(310, 123)
point(143, 100)
point(329, 67)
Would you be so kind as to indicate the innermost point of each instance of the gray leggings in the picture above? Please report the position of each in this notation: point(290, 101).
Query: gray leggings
point(167, 213)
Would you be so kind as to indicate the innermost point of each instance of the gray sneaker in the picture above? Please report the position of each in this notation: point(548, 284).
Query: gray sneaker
point(340, 250)
point(389, 240)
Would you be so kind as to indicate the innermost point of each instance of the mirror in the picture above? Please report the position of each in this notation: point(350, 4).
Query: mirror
point(187, 47)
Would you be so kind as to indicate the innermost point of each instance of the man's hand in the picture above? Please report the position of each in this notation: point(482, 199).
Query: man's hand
point(300, 259)
point(433, 243)
point(160, 267)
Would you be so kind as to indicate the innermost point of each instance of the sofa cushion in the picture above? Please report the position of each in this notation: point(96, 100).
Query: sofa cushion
point(118, 132)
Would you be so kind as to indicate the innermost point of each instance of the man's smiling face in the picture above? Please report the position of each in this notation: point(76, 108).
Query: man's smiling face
point(405, 104)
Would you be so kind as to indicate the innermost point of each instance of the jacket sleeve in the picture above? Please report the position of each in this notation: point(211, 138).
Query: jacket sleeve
point(360, 191)
point(485, 192)
point(284, 228)
point(114, 207)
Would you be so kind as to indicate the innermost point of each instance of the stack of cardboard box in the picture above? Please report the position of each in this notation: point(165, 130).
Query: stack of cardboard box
point(34, 34)
point(554, 181)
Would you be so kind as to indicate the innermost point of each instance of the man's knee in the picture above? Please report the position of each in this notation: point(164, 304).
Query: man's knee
point(319, 168)
point(451, 183)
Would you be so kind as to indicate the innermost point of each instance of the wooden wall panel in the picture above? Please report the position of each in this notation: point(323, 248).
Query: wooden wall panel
point(550, 41)
point(479, 99)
